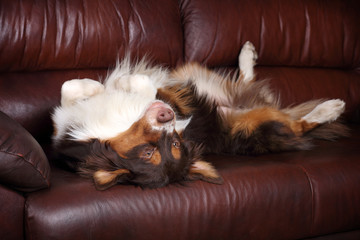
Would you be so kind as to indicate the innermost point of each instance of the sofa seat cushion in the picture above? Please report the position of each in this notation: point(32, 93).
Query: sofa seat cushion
point(277, 196)
point(23, 164)
point(11, 214)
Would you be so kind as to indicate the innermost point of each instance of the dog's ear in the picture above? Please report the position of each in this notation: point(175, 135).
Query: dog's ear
point(98, 161)
point(109, 165)
point(105, 179)
point(201, 170)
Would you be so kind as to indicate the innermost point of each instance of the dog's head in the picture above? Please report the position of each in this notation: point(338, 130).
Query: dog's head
point(151, 153)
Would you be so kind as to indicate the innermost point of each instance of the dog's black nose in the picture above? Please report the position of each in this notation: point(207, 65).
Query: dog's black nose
point(165, 115)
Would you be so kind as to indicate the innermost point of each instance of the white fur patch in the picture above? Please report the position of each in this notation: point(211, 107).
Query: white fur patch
point(122, 77)
point(210, 87)
point(247, 61)
point(112, 108)
point(327, 111)
point(167, 127)
point(78, 90)
point(138, 83)
point(142, 84)
point(103, 116)
point(180, 125)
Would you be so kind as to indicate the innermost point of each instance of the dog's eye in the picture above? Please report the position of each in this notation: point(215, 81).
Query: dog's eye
point(176, 144)
point(148, 152)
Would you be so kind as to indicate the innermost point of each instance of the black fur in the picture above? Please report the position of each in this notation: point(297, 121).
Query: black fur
point(88, 157)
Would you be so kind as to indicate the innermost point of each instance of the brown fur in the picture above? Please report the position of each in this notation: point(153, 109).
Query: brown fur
point(179, 98)
point(252, 121)
point(248, 121)
point(139, 133)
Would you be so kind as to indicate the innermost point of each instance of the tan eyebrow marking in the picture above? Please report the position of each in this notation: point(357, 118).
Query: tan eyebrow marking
point(156, 158)
point(176, 152)
point(139, 133)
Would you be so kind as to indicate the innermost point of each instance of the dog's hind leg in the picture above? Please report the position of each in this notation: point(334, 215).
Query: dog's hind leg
point(247, 61)
point(325, 112)
point(322, 122)
point(318, 119)
point(265, 130)
point(309, 115)
point(76, 90)
point(271, 130)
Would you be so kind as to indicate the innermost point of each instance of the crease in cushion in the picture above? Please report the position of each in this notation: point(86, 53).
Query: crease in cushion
point(23, 163)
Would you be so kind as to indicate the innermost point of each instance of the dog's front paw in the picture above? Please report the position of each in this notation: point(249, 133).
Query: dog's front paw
point(79, 90)
point(247, 61)
point(327, 111)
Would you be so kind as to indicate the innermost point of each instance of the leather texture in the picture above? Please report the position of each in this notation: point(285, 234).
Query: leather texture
point(48, 34)
point(353, 235)
point(23, 164)
point(279, 196)
point(11, 214)
point(285, 33)
point(307, 49)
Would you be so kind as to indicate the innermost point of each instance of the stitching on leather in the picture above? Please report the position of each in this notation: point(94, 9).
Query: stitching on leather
point(33, 165)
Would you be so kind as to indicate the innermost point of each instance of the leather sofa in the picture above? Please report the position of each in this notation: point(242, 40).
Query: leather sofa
point(307, 49)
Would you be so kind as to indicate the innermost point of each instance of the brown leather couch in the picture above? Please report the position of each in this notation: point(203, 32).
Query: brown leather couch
point(307, 49)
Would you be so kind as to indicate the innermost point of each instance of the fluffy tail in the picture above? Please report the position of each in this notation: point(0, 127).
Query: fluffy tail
point(330, 131)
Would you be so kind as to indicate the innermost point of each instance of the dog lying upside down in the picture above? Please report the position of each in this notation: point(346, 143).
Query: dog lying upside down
point(149, 126)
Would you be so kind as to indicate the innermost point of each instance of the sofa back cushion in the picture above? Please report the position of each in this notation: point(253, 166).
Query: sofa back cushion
point(42, 35)
point(312, 33)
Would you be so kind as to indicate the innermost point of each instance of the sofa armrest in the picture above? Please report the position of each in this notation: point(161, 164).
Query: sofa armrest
point(23, 164)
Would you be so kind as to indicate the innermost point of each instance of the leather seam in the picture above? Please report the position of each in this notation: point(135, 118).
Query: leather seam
point(312, 197)
point(27, 230)
point(19, 155)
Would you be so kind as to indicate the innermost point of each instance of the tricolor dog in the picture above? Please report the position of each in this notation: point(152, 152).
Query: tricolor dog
point(150, 126)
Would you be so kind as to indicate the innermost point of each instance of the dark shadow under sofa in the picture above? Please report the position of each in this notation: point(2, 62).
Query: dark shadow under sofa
point(307, 49)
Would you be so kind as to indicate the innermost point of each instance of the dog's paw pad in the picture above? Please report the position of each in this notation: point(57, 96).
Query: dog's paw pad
point(78, 90)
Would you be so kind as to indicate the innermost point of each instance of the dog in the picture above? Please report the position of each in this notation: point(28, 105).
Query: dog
point(150, 126)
